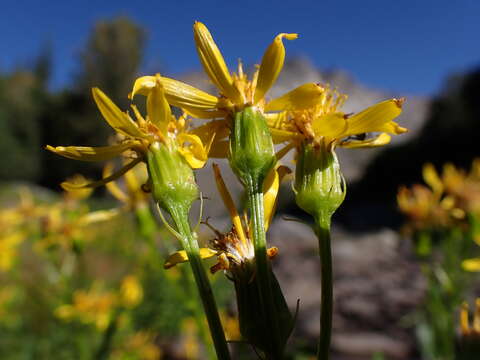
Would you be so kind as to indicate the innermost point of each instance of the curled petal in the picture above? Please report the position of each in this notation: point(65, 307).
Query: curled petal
point(87, 153)
point(272, 64)
point(377, 118)
point(98, 216)
point(181, 257)
point(303, 97)
point(115, 117)
point(213, 62)
point(194, 151)
point(380, 140)
point(68, 186)
point(270, 191)
point(229, 204)
point(158, 109)
point(177, 93)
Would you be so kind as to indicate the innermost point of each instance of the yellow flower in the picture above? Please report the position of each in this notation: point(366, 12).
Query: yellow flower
point(235, 248)
point(140, 345)
point(131, 291)
point(465, 328)
point(325, 122)
point(159, 126)
point(94, 306)
point(236, 91)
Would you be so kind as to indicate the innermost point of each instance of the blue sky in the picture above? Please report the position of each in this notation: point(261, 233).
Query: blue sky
point(404, 46)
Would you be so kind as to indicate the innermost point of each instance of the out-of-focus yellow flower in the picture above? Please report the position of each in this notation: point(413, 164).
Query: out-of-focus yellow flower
point(470, 329)
point(94, 306)
point(235, 248)
point(8, 249)
point(159, 126)
point(429, 206)
point(139, 346)
point(325, 123)
point(131, 291)
point(191, 346)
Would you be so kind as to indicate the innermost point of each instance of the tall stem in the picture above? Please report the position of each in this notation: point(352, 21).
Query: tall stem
point(190, 244)
point(255, 198)
point(322, 229)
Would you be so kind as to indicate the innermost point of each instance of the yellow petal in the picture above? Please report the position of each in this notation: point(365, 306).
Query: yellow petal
point(280, 136)
point(270, 191)
point(87, 153)
point(158, 109)
point(68, 186)
point(431, 178)
point(379, 140)
point(228, 201)
point(272, 64)
point(213, 62)
point(217, 129)
point(177, 93)
point(472, 265)
point(193, 150)
point(181, 257)
point(464, 319)
point(332, 125)
point(377, 118)
point(115, 117)
point(204, 114)
point(303, 97)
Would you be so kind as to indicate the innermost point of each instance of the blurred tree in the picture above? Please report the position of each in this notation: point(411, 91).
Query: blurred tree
point(23, 96)
point(110, 61)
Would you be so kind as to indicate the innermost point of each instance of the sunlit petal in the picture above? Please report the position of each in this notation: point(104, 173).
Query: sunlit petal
point(177, 93)
point(272, 64)
point(270, 191)
point(303, 97)
point(87, 153)
point(332, 125)
point(193, 150)
point(181, 257)
point(377, 118)
point(158, 109)
point(115, 117)
point(472, 265)
point(219, 149)
point(431, 178)
point(213, 62)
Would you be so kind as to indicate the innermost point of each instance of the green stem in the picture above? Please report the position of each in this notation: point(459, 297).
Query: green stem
point(255, 198)
point(322, 229)
point(105, 348)
point(190, 244)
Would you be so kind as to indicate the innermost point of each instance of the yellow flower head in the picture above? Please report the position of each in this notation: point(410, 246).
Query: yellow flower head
point(131, 291)
point(136, 137)
point(324, 122)
point(236, 91)
point(235, 248)
point(467, 328)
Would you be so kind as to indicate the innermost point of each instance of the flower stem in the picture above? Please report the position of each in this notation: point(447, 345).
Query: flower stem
point(322, 229)
point(255, 198)
point(190, 244)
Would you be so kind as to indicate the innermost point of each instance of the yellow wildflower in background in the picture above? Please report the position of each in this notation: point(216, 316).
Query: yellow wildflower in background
point(131, 291)
point(139, 346)
point(94, 306)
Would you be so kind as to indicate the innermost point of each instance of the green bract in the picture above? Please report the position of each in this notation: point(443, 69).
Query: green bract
point(319, 185)
point(252, 154)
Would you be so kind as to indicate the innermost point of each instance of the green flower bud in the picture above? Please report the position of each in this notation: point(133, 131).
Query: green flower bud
point(172, 180)
point(319, 185)
point(253, 322)
point(252, 154)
